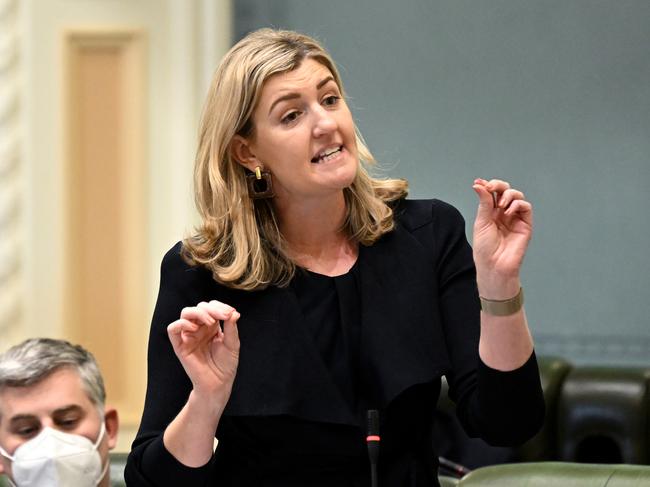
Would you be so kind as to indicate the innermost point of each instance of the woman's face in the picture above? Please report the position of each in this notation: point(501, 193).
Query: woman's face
point(304, 134)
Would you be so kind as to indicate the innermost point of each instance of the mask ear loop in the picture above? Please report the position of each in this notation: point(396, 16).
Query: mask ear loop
point(102, 433)
point(104, 470)
point(4, 453)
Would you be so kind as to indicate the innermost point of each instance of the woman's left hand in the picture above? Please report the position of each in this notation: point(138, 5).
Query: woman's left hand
point(502, 230)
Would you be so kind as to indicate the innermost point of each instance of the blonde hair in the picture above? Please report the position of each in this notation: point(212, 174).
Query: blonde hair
point(239, 239)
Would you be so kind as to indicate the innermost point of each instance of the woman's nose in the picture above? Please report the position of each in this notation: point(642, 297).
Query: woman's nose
point(325, 123)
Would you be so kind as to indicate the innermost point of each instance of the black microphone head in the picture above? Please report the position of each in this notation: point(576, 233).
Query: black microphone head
point(373, 422)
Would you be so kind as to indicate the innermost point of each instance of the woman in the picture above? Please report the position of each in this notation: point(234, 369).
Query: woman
point(343, 296)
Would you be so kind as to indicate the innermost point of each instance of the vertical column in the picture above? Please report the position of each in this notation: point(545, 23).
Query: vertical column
point(10, 187)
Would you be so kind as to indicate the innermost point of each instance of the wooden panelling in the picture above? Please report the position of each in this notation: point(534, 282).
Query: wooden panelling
point(106, 204)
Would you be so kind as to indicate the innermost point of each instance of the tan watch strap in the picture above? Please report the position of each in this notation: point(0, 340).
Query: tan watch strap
point(506, 307)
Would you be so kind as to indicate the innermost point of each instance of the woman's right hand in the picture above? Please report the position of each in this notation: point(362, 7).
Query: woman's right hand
point(208, 354)
point(210, 357)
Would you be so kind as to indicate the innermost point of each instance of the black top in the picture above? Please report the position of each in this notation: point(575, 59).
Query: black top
point(408, 313)
point(330, 306)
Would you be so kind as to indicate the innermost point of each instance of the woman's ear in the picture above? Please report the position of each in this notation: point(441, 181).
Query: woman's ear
point(240, 151)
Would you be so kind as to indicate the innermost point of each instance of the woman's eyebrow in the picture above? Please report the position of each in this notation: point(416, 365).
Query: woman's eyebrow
point(288, 96)
point(324, 82)
point(293, 95)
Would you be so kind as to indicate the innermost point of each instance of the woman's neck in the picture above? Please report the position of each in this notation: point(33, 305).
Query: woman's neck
point(314, 233)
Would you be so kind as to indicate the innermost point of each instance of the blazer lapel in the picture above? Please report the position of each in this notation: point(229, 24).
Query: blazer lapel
point(402, 343)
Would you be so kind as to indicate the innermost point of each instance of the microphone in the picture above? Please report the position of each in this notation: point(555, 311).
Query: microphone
point(456, 469)
point(373, 444)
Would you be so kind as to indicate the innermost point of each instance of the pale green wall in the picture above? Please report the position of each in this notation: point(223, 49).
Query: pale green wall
point(552, 95)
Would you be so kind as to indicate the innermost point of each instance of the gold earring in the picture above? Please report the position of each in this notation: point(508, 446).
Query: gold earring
point(260, 184)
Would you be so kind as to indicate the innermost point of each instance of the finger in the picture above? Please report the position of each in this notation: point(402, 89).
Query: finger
point(508, 196)
point(485, 183)
point(217, 309)
point(522, 209)
point(197, 315)
point(497, 185)
point(231, 332)
point(181, 324)
point(175, 330)
point(485, 201)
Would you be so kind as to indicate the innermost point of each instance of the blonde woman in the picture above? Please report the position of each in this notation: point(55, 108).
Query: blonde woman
point(312, 293)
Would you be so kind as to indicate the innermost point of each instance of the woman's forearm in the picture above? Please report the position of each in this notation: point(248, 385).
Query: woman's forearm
point(190, 436)
point(505, 342)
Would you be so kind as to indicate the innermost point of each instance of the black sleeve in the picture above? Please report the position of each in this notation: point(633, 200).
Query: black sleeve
point(503, 408)
point(149, 463)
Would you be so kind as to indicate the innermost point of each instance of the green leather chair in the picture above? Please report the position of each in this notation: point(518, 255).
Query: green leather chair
point(558, 474)
point(604, 415)
point(543, 474)
point(447, 481)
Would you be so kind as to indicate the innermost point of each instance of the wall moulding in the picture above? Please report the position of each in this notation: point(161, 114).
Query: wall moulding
point(105, 187)
point(620, 349)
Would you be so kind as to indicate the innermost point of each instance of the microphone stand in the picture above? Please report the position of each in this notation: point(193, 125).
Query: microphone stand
point(373, 444)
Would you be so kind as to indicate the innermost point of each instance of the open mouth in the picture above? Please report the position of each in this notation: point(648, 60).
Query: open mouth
point(327, 155)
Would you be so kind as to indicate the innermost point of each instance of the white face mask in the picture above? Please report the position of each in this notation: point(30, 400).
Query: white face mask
point(54, 458)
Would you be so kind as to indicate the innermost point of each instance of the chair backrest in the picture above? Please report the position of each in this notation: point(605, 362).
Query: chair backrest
point(447, 481)
point(560, 474)
point(604, 416)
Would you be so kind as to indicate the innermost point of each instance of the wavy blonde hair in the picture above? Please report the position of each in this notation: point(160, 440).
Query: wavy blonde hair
point(239, 239)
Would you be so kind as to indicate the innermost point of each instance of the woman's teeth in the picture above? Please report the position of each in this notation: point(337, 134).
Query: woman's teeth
point(328, 155)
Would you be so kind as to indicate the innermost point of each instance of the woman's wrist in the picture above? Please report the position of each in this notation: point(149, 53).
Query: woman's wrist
point(498, 288)
point(206, 404)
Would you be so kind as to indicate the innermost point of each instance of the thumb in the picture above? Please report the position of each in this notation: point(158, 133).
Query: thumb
point(485, 202)
point(230, 331)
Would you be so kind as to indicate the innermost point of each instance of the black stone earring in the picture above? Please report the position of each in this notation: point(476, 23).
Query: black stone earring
point(260, 184)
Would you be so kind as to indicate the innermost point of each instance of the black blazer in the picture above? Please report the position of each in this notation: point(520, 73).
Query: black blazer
point(419, 321)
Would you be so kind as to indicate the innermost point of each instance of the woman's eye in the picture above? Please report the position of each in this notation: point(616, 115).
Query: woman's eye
point(331, 100)
point(290, 117)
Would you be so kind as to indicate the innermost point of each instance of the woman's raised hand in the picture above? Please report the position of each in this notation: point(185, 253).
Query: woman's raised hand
point(502, 230)
point(208, 354)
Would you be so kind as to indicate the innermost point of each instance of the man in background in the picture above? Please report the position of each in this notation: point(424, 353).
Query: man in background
point(54, 427)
